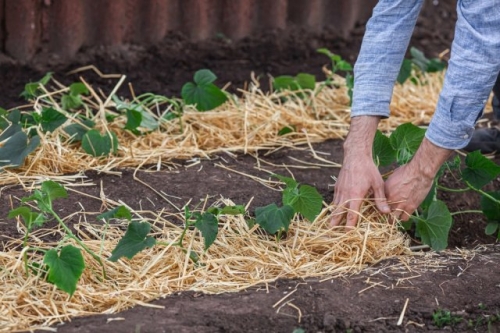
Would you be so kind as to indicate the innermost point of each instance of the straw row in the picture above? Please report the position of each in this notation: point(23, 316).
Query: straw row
point(240, 258)
point(246, 124)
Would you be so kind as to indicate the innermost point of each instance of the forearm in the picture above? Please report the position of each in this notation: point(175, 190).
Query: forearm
point(428, 159)
point(471, 74)
point(359, 141)
point(384, 45)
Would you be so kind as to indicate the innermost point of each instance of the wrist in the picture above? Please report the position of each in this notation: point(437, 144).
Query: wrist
point(429, 158)
point(362, 131)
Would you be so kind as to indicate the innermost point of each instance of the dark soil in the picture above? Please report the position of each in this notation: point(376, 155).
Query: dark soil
point(467, 285)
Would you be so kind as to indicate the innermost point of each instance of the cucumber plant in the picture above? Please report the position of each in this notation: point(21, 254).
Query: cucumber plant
point(296, 198)
point(433, 219)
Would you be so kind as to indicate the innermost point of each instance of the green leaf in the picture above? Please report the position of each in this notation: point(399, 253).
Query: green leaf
point(491, 228)
point(491, 208)
point(424, 64)
point(435, 65)
point(435, 226)
point(17, 147)
point(300, 82)
point(70, 102)
point(53, 190)
point(95, 144)
point(405, 140)
point(78, 88)
point(32, 89)
point(306, 201)
point(405, 71)
point(343, 65)
point(77, 131)
point(120, 212)
point(273, 219)
point(4, 122)
point(306, 81)
point(209, 226)
point(232, 210)
point(65, 268)
point(134, 119)
point(289, 182)
point(286, 130)
point(51, 119)
point(134, 241)
point(31, 219)
point(480, 170)
point(204, 77)
point(203, 93)
point(383, 153)
point(419, 59)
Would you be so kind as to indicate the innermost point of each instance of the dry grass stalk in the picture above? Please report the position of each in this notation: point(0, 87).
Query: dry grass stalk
point(246, 124)
point(240, 258)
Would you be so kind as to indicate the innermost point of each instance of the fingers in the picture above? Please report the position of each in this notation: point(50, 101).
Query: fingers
point(352, 213)
point(348, 210)
point(399, 215)
point(381, 201)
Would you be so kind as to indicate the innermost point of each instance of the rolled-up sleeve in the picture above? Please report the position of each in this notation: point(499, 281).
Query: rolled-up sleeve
point(471, 74)
point(385, 42)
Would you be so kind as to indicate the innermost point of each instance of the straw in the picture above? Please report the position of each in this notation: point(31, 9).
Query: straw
point(248, 124)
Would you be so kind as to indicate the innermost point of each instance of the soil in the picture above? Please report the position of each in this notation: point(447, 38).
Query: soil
point(466, 282)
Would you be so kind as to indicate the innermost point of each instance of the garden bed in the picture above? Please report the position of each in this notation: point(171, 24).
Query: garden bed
point(456, 288)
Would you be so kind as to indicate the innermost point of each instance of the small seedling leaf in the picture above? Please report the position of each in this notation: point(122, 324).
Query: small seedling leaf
point(203, 93)
point(53, 190)
point(306, 81)
point(77, 131)
point(134, 241)
point(17, 147)
point(289, 182)
point(120, 212)
point(480, 170)
point(383, 152)
point(306, 201)
point(78, 88)
point(134, 119)
point(209, 226)
point(405, 140)
point(232, 210)
point(491, 208)
point(65, 268)
point(204, 77)
point(435, 227)
point(405, 71)
point(300, 82)
point(32, 89)
point(273, 218)
point(491, 228)
point(95, 144)
point(31, 219)
point(286, 130)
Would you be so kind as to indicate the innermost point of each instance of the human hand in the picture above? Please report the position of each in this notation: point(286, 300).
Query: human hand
point(409, 184)
point(358, 178)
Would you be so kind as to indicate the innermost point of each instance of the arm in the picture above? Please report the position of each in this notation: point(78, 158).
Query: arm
point(386, 39)
point(473, 68)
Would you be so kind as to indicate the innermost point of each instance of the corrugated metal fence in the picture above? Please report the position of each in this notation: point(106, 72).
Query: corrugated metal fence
point(64, 26)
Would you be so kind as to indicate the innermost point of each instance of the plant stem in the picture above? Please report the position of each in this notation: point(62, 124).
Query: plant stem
point(487, 195)
point(76, 239)
point(453, 189)
point(472, 211)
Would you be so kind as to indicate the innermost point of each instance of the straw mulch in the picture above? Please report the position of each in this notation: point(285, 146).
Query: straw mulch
point(246, 124)
point(240, 258)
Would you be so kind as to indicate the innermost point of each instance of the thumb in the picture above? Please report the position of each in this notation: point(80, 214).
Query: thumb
point(381, 200)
